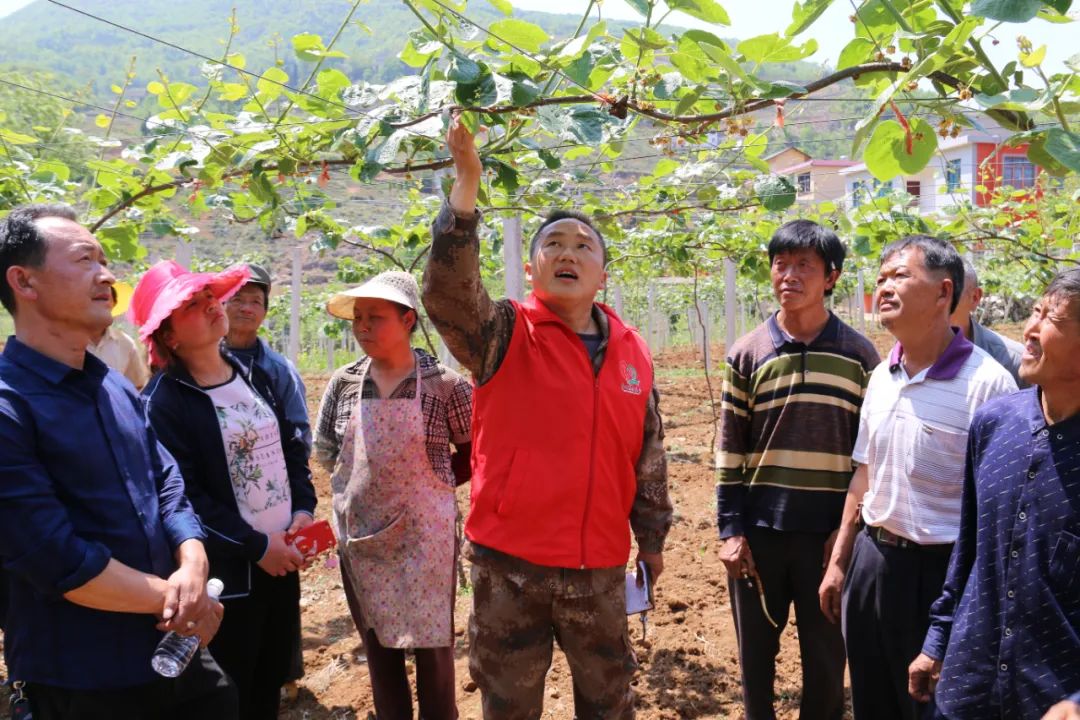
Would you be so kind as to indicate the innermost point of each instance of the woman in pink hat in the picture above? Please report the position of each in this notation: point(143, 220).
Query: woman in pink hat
point(244, 466)
point(385, 428)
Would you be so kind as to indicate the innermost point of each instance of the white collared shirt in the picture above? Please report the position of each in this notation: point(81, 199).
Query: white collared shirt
point(913, 436)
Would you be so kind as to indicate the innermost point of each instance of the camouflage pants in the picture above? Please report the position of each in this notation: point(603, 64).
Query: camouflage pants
point(519, 609)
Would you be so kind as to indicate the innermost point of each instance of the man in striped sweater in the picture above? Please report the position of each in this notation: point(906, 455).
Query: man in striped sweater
point(792, 391)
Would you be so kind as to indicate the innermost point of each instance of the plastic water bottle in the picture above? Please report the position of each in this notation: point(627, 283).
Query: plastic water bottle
point(174, 652)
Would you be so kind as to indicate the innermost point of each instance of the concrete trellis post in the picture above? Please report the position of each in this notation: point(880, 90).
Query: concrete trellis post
point(617, 301)
point(184, 253)
point(294, 313)
point(512, 260)
point(730, 299)
point(650, 327)
point(861, 293)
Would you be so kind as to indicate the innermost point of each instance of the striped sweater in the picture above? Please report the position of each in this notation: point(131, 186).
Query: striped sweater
point(788, 421)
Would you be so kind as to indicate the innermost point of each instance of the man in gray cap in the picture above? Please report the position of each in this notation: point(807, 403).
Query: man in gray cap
point(1005, 350)
point(246, 311)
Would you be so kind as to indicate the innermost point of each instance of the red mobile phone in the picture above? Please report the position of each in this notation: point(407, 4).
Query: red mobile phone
point(313, 540)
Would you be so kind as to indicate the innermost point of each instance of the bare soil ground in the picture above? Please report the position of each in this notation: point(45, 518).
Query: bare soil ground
point(688, 665)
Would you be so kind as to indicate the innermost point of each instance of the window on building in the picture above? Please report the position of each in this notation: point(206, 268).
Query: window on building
point(1017, 172)
point(857, 189)
point(952, 176)
point(914, 188)
point(881, 189)
point(803, 183)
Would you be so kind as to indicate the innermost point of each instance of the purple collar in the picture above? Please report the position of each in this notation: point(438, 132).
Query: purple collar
point(948, 363)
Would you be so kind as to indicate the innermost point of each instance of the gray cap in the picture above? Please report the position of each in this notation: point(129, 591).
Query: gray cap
point(394, 285)
point(259, 275)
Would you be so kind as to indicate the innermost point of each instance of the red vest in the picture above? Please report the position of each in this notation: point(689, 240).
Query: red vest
point(555, 447)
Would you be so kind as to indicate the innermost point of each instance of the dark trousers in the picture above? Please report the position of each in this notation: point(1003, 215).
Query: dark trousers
point(435, 688)
point(203, 691)
point(789, 564)
point(255, 642)
point(886, 612)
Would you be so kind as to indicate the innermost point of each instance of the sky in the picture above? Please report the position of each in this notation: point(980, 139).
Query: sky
point(832, 30)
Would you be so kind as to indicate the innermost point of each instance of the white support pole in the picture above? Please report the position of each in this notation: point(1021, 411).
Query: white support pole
point(616, 300)
point(861, 295)
point(294, 315)
point(730, 295)
point(184, 252)
point(650, 327)
point(512, 261)
point(330, 345)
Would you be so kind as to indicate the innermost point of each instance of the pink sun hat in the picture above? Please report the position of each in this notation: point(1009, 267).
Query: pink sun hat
point(167, 285)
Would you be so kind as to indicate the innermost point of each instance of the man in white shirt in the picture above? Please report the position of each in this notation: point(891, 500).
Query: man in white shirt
point(910, 450)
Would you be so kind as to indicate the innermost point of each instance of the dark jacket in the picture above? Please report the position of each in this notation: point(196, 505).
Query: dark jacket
point(186, 422)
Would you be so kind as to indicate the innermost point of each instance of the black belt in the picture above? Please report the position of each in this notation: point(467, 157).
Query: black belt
point(881, 536)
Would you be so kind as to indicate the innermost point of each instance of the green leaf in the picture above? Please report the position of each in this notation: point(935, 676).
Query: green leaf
point(462, 70)
point(121, 242)
point(15, 138)
point(775, 49)
point(51, 171)
point(1064, 147)
point(116, 89)
point(1033, 58)
point(155, 88)
point(102, 121)
point(1061, 6)
point(774, 192)
point(524, 35)
point(887, 154)
point(641, 6)
point(231, 92)
point(1037, 154)
point(708, 10)
point(331, 83)
point(647, 38)
point(856, 52)
point(502, 6)
point(268, 84)
point(524, 92)
point(308, 46)
point(692, 68)
point(1016, 11)
point(803, 15)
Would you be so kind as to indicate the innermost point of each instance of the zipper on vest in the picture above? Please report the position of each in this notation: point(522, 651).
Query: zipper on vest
point(592, 466)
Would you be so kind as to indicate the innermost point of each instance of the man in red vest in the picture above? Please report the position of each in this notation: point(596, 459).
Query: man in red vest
point(567, 458)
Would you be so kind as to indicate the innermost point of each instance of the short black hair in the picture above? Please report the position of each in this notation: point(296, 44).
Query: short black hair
point(404, 310)
point(808, 235)
point(555, 216)
point(1065, 286)
point(22, 244)
point(938, 256)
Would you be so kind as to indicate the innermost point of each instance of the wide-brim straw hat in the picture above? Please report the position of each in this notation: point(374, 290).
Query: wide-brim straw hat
point(395, 285)
point(168, 285)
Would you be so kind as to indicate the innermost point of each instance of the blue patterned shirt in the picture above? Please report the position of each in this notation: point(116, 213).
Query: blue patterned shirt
point(1007, 625)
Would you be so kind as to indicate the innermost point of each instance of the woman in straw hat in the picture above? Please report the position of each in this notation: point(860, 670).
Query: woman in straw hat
point(385, 428)
point(245, 470)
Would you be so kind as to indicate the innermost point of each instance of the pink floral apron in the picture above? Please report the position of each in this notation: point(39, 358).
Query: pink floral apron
point(395, 519)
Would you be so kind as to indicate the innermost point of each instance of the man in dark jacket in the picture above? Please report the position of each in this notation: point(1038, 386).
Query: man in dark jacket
point(96, 535)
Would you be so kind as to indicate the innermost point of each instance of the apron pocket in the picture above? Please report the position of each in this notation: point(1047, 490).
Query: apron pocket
point(388, 545)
